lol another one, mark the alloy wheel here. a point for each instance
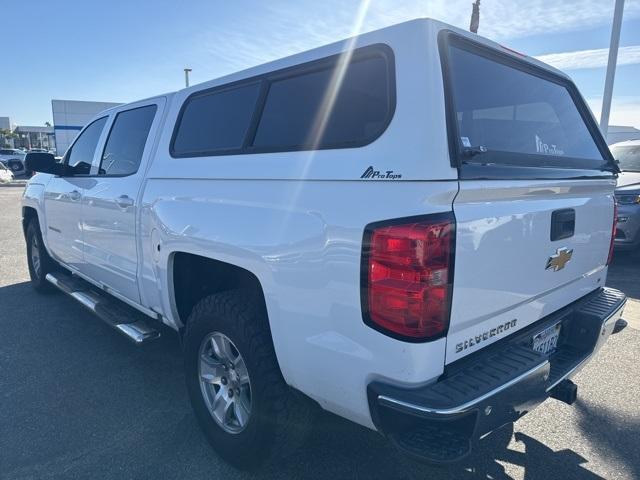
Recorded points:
(35, 255)
(224, 382)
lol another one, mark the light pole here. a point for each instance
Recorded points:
(611, 66)
(475, 17)
(186, 77)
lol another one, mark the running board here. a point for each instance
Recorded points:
(123, 318)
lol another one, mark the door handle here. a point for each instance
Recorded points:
(74, 195)
(563, 224)
(124, 201)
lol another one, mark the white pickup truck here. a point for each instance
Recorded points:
(410, 228)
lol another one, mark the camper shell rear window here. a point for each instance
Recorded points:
(508, 115)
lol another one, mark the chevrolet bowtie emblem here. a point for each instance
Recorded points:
(558, 260)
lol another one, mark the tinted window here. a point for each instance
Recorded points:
(317, 110)
(216, 121)
(513, 113)
(80, 155)
(127, 138)
(628, 157)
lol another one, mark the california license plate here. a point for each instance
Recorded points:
(546, 341)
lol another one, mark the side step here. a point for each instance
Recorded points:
(118, 315)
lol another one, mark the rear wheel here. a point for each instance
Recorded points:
(246, 410)
(38, 260)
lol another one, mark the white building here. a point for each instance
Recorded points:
(5, 123)
(69, 116)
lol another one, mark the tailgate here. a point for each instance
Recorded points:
(535, 207)
(508, 271)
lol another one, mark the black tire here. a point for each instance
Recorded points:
(15, 165)
(38, 272)
(279, 419)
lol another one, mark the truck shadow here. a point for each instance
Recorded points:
(340, 450)
(614, 434)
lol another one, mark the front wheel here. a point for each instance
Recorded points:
(38, 260)
(246, 410)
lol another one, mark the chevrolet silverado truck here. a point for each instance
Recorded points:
(410, 228)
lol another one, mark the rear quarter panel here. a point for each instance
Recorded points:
(303, 241)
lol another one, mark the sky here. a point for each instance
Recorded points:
(122, 51)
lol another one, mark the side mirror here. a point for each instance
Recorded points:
(42, 162)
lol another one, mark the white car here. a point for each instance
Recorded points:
(5, 174)
(410, 229)
(13, 159)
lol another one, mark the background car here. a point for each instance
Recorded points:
(628, 195)
(8, 153)
(5, 174)
(13, 159)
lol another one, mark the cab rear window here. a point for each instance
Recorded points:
(511, 113)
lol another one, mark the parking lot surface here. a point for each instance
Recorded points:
(79, 401)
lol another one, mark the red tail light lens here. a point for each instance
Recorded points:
(407, 276)
(613, 231)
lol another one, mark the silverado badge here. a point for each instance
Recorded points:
(558, 260)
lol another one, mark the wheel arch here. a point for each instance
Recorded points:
(193, 277)
(33, 206)
(28, 213)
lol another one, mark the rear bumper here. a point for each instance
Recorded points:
(440, 422)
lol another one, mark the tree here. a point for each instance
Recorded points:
(5, 136)
(47, 124)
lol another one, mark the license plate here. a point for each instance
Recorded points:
(546, 341)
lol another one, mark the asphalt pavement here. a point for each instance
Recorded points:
(78, 401)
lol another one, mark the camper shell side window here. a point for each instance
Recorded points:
(342, 101)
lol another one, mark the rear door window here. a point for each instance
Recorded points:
(512, 114)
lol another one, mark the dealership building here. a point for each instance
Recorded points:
(70, 116)
(34, 136)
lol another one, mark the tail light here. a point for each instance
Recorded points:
(613, 231)
(407, 276)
